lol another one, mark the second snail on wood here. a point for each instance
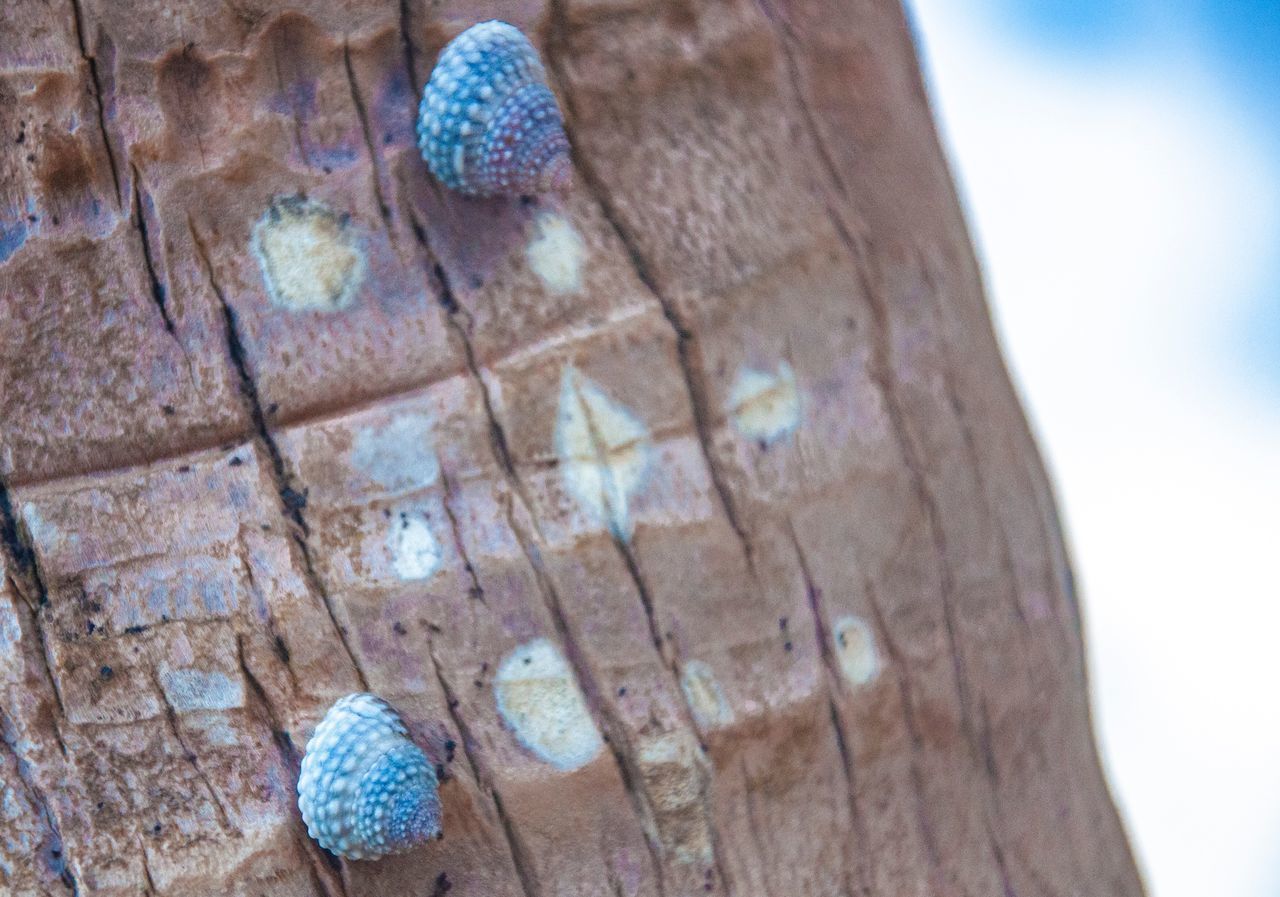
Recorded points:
(366, 790)
(488, 124)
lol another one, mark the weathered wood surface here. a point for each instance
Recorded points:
(725, 438)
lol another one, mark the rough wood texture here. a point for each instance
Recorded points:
(724, 439)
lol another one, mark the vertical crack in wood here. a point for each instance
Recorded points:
(609, 487)
(525, 869)
(190, 756)
(20, 551)
(325, 868)
(1006, 883)
(281, 648)
(521, 860)
(672, 665)
(477, 590)
(405, 25)
(159, 291)
(606, 719)
(660, 643)
(57, 847)
(980, 481)
(375, 157)
(972, 455)
(291, 500)
(147, 877)
(785, 36)
(158, 288)
(838, 724)
(294, 112)
(46, 669)
(96, 89)
(19, 554)
(753, 825)
(455, 315)
(906, 701)
(27, 579)
(280, 734)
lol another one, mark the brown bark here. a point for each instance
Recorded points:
(827, 631)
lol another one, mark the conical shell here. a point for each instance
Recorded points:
(366, 790)
(488, 124)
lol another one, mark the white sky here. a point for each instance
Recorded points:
(1126, 212)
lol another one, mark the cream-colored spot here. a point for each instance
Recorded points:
(705, 696)
(398, 455)
(674, 776)
(855, 644)
(191, 689)
(539, 698)
(765, 406)
(556, 253)
(605, 451)
(415, 551)
(310, 256)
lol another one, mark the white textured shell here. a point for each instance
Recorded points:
(366, 790)
(488, 124)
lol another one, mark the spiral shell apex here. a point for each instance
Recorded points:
(366, 790)
(488, 124)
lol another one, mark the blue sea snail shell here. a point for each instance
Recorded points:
(366, 790)
(488, 124)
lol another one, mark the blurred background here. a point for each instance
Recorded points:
(1120, 164)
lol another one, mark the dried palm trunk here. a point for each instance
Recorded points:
(691, 523)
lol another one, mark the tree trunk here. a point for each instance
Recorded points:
(720, 447)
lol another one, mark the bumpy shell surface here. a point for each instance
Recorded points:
(366, 790)
(488, 124)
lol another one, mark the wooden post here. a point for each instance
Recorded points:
(690, 521)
